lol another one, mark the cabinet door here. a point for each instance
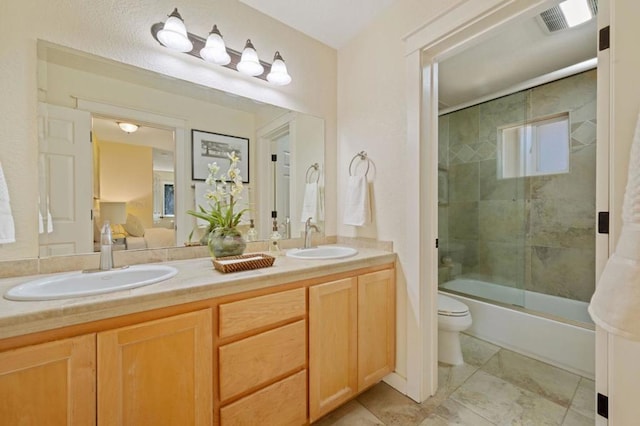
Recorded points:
(376, 327)
(157, 373)
(49, 384)
(332, 345)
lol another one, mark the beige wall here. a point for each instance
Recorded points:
(121, 31)
(126, 174)
(372, 117)
(64, 84)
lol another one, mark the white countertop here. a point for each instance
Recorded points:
(196, 280)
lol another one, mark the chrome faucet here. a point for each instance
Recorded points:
(106, 246)
(308, 226)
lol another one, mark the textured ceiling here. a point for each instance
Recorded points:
(518, 52)
(107, 130)
(333, 22)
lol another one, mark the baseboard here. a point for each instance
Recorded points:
(397, 382)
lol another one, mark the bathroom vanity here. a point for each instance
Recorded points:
(285, 344)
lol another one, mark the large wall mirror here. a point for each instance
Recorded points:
(93, 167)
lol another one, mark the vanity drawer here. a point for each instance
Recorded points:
(283, 403)
(251, 362)
(246, 315)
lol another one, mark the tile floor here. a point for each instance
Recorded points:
(495, 386)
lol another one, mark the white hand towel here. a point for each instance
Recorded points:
(49, 219)
(357, 209)
(310, 203)
(41, 219)
(320, 203)
(201, 189)
(7, 229)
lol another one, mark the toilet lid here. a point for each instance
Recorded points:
(451, 307)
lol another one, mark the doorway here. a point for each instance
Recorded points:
(426, 49)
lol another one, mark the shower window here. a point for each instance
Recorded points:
(539, 147)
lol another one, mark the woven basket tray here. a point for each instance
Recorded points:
(243, 262)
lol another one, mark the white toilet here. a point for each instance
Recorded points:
(453, 317)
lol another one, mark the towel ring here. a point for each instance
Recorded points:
(314, 167)
(363, 157)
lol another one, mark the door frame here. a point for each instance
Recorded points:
(265, 135)
(468, 21)
(183, 197)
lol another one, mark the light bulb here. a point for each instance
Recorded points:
(128, 127)
(249, 63)
(575, 12)
(174, 34)
(215, 50)
(278, 74)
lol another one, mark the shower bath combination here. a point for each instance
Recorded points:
(517, 226)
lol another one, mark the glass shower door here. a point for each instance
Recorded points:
(481, 212)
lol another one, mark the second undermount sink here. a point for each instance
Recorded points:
(76, 284)
(322, 252)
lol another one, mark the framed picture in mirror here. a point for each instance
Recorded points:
(208, 147)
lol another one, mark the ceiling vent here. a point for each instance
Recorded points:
(554, 19)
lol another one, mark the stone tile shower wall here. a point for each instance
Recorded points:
(536, 233)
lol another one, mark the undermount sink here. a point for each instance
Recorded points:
(77, 284)
(322, 252)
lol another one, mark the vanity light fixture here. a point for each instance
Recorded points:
(173, 35)
(214, 50)
(128, 127)
(278, 74)
(249, 62)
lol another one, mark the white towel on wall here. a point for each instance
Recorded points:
(7, 228)
(357, 208)
(41, 219)
(310, 203)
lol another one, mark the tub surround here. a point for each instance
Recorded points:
(196, 280)
(534, 232)
(562, 344)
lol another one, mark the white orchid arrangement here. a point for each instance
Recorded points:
(222, 198)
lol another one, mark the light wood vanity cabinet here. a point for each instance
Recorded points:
(333, 345)
(157, 372)
(275, 357)
(262, 368)
(50, 383)
(376, 327)
(351, 338)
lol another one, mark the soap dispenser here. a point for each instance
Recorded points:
(274, 240)
(106, 247)
(252, 234)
